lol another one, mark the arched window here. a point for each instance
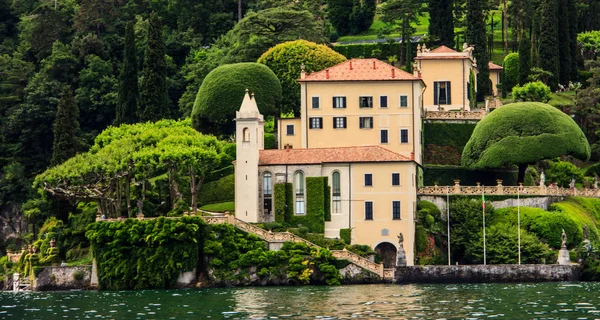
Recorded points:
(267, 193)
(299, 192)
(336, 199)
(246, 135)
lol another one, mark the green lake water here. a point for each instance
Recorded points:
(457, 301)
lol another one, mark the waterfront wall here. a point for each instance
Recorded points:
(487, 273)
(537, 202)
(63, 278)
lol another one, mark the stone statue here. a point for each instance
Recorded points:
(140, 205)
(563, 245)
(401, 256)
(572, 183)
(465, 46)
(53, 243)
(400, 239)
(595, 182)
(542, 179)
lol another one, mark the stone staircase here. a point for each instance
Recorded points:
(282, 237)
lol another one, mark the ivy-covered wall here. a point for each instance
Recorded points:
(445, 176)
(314, 219)
(283, 204)
(444, 142)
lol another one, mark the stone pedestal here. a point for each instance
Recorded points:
(563, 257)
(401, 258)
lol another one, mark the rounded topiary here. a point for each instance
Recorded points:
(222, 92)
(511, 71)
(523, 133)
(286, 59)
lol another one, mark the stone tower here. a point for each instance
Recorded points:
(249, 138)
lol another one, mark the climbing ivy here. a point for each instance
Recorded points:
(284, 198)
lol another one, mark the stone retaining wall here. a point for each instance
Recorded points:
(542, 202)
(487, 273)
(63, 278)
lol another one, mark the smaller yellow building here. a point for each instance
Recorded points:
(495, 77)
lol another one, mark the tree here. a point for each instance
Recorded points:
(532, 91)
(524, 60)
(97, 16)
(548, 50)
(65, 126)
(338, 13)
(511, 71)
(153, 96)
(521, 134)
(127, 104)
(441, 22)
(564, 42)
(476, 36)
(472, 90)
(466, 224)
(574, 49)
(403, 13)
(286, 59)
(222, 92)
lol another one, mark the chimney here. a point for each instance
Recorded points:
(287, 147)
(412, 156)
(327, 73)
(350, 64)
(393, 73)
(374, 65)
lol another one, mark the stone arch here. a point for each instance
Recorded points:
(246, 135)
(388, 252)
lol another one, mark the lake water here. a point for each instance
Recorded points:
(473, 301)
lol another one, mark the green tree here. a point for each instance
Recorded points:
(524, 60)
(466, 223)
(405, 14)
(574, 48)
(564, 42)
(549, 46)
(511, 71)
(65, 126)
(154, 104)
(521, 134)
(222, 92)
(44, 26)
(338, 13)
(562, 172)
(472, 91)
(532, 91)
(97, 16)
(286, 59)
(441, 22)
(476, 36)
(127, 104)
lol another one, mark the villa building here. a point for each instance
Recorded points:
(495, 77)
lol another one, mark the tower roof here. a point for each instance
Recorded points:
(249, 109)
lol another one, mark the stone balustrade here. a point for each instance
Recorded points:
(499, 189)
(455, 115)
(360, 261)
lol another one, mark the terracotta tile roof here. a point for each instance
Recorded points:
(443, 49)
(494, 66)
(360, 69)
(329, 155)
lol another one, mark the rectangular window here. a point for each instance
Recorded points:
(396, 210)
(365, 102)
(403, 135)
(366, 122)
(315, 102)
(403, 101)
(395, 179)
(383, 102)
(315, 123)
(368, 179)
(441, 93)
(290, 129)
(368, 210)
(384, 136)
(339, 102)
(339, 122)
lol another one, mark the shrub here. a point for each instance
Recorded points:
(222, 92)
(562, 172)
(532, 91)
(345, 234)
(286, 59)
(222, 190)
(270, 141)
(511, 71)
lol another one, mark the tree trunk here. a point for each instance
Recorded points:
(522, 169)
(193, 189)
(128, 194)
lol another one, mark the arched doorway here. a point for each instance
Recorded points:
(387, 252)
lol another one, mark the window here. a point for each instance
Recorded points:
(366, 122)
(339, 122)
(290, 129)
(403, 101)
(267, 193)
(316, 123)
(315, 102)
(299, 191)
(384, 136)
(336, 193)
(395, 179)
(403, 135)
(368, 210)
(383, 102)
(396, 210)
(246, 135)
(339, 102)
(368, 179)
(441, 92)
(365, 102)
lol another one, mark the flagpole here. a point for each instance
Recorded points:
(483, 202)
(519, 220)
(448, 219)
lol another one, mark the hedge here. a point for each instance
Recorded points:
(314, 217)
(365, 50)
(444, 142)
(327, 201)
(222, 190)
(445, 176)
(346, 235)
(270, 141)
(284, 202)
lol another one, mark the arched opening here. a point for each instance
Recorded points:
(246, 135)
(336, 191)
(267, 193)
(299, 192)
(387, 252)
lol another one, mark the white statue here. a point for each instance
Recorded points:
(542, 179)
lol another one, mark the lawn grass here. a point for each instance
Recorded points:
(219, 207)
(566, 98)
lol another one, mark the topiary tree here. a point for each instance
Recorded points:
(532, 91)
(511, 71)
(286, 59)
(222, 92)
(521, 134)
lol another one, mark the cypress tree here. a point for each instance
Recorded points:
(153, 96)
(476, 35)
(548, 50)
(564, 42)
(65, 125)
(575, 53)
(441, 21)
(368, 10)
(127, 104)
(524, 59)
